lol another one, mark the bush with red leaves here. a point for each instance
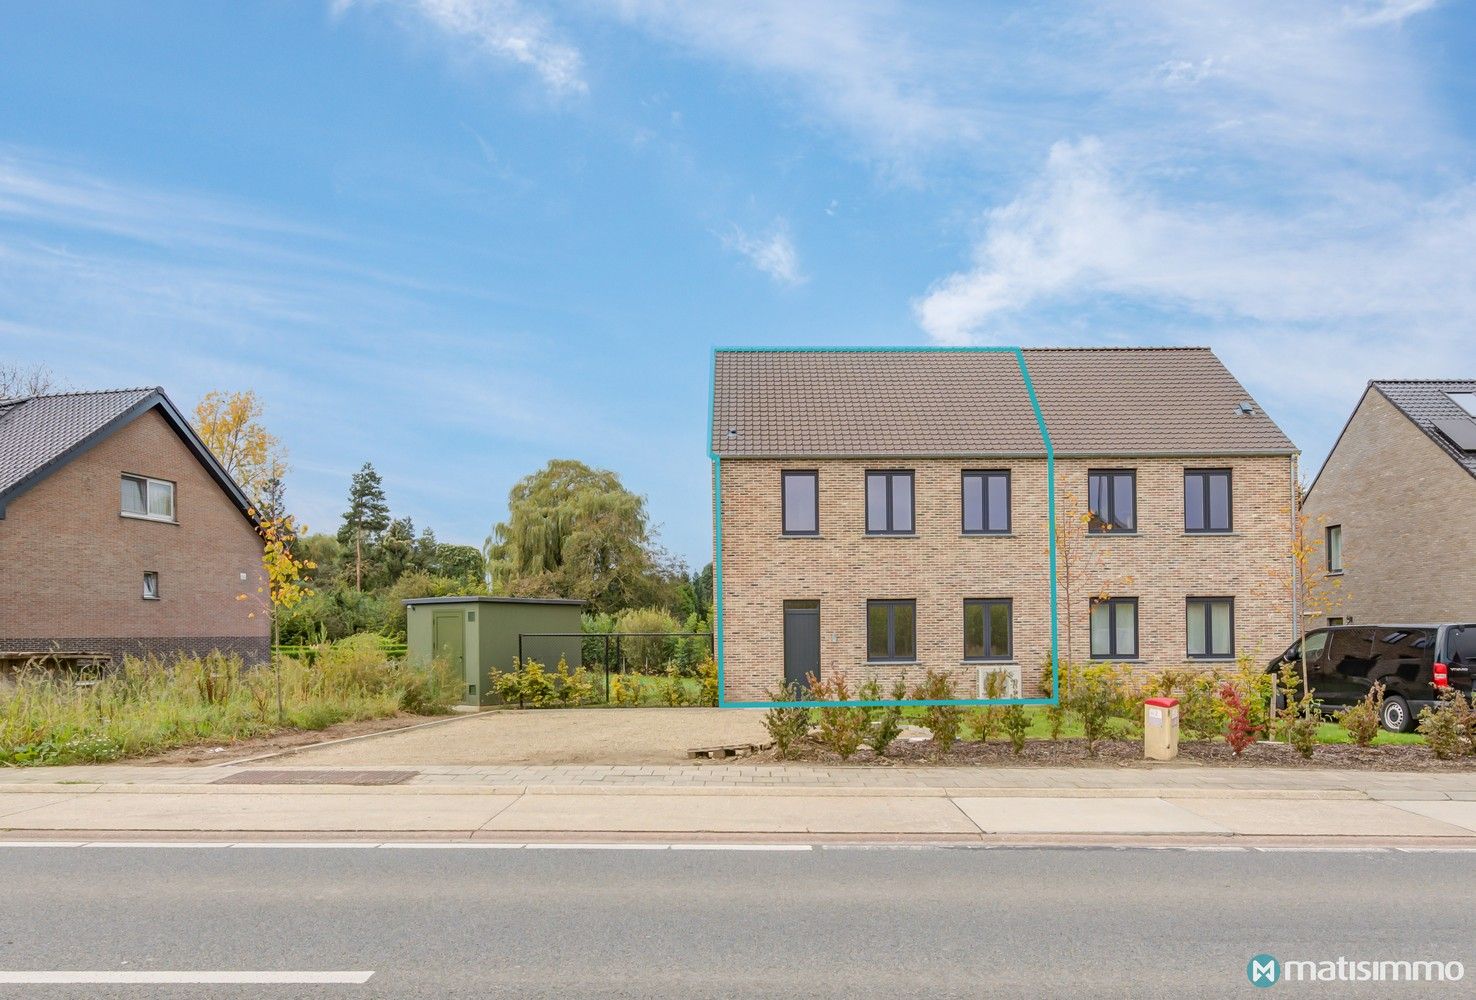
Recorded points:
(1240, 731)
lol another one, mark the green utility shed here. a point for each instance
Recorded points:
(477, 635)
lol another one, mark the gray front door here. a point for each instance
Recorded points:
(801, 641)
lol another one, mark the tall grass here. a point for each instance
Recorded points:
(150, 705)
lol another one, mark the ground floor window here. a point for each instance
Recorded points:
(987, 629)
(1114, 628)
(891, 630)
(1211, 622)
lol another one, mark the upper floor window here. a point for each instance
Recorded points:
(1211, 627)
(1206, 500)
(151, 498)
(987, 629)
(986, 503)
(1112, 498)
(1334, 546)
(889, 503)
(1114, 628)
(800, 493)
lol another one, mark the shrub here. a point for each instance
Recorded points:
(943, 721)
(1016, 724)
(625, 690)
(1201, 713)
(885, 721)
(571, 688)
(1446, 727)
(1362, 720)
(1055, 714)
(648, 654)
(787, 724)
(673, 691)
(708, 673)
(986, 718)
(1240, 726)
(527, 683)
(1098, 692)
(842, 727)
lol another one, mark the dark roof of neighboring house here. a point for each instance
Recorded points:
(40, 434)
(1427, 404)
(874, 402)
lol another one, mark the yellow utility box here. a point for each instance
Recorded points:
(1161, 728)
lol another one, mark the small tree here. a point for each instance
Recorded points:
(282, 582)
(943, 721)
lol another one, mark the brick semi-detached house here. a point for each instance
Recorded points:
(120, 533)
(882, 513)
(1395, 506)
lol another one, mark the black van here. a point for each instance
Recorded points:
(1413, 661)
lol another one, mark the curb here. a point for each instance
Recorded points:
(289, 751)
(739, 791)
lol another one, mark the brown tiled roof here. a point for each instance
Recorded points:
(1099, 401)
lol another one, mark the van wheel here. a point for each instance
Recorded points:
(1395, 715)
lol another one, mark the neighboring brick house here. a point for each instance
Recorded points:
(883, 512)
(120, 533)
(1395, 505)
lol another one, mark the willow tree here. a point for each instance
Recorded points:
(577, 532)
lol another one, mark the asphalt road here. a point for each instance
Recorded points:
(832, 922)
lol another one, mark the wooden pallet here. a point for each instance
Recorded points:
(729, 750)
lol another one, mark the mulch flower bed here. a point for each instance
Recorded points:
(1125, 753)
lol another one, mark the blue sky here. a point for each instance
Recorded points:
(460, 237)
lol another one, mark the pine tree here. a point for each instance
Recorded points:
(366, 518)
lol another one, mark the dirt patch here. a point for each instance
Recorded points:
(1127, 753)
(215, 751)
(555, 736)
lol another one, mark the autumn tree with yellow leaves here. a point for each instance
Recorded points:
(283, 583)
(230, 425)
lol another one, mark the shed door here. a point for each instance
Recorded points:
(801, 641)
(448, 640)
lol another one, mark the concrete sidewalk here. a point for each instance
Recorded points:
(1199, 805)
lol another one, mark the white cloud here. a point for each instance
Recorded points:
(503, 30)
(858, 65)
(772, 252)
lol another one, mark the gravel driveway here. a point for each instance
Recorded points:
(552, 736)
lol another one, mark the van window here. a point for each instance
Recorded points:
(1463, 643)
(1315, 644)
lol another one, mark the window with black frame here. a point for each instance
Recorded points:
(1210, 623)
(891, 630)
(1112, 500)
(987, 628)
(799, 493)
(1114, 628)
(889, 502)
(1207, 501)
(986, 502)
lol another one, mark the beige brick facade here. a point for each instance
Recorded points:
(940, 567)
(74, 565)
(1408, 516)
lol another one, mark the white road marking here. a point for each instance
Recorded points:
(430, 845)
(1323, 850)
(599, 847)
(106, 976)
(742, 847)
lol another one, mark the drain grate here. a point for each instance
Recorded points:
(316, 778)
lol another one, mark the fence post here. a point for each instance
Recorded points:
(607, 668)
